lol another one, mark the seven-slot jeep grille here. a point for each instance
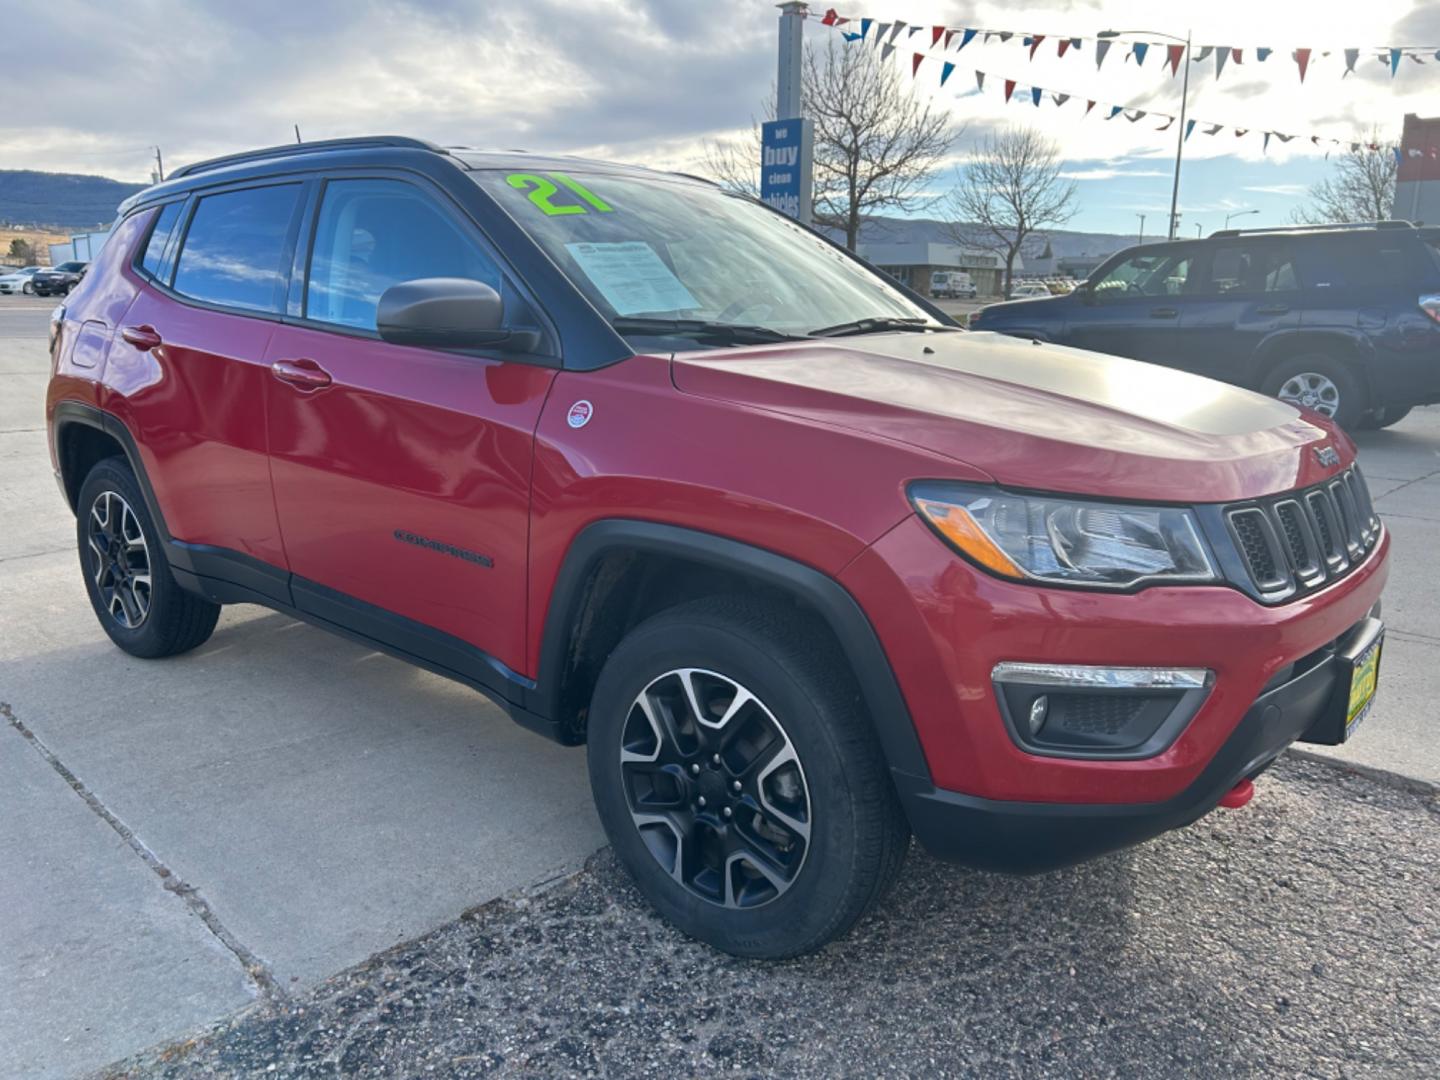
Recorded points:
(1304, 539)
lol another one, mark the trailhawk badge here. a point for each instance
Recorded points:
(1326, 455)
(580, 414)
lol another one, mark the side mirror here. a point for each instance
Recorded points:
(447, 313)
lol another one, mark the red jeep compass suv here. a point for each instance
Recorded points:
(806, 567)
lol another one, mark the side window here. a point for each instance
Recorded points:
(1145, 274)
(1247, 269)
(234, 251)
(159, 236)
(372, 234)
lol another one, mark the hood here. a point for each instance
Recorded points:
(1032, 415)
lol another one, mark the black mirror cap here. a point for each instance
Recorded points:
(445, 313)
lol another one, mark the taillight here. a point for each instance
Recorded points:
(1431, 306)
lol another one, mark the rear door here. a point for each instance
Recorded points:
(1245, 291)
(402, 474)
(188, 370)
(1134, 308)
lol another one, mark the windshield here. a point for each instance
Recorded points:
(661, 250)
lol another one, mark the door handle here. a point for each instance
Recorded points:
(305, 374)
(1273, 309)
(1163, 313)
(143, 337)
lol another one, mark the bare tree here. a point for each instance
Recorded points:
(1009, 190)
(878, 143)
(1361, 187)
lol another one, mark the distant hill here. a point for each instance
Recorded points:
(67, 200)
(1064, 243)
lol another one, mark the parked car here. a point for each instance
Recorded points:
(1338, 319)
(952, 285)
(17, 280)
(58, 280)
(1028, 290)
(805, 566)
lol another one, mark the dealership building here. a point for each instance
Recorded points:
(1417, 182)
(914, 264)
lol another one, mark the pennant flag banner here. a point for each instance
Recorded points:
(944, 38)
(1037, 95)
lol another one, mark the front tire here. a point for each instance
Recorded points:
(739, 780)
(135, 596)
(28, 289)
(1319, 382)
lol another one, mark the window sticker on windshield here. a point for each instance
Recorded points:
(541, 191)
(632, 277)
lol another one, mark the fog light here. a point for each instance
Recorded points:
(1038, 708)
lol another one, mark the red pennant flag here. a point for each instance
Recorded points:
(948, 35)
(1235, 55)
(1009, 88)
(935, 33)
(1176, 52)
(1064, 46)
(1088, 106)
(915, 64)
(1302, 57)
(1035, 44)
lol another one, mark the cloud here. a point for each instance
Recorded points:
(1291, 190)
(1110, 173)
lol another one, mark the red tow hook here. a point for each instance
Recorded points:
(1238, 795)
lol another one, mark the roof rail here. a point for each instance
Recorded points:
(292, 149)
(1339, 226)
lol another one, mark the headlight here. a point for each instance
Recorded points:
(1066, 541)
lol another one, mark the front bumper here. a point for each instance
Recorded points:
(1032, 837)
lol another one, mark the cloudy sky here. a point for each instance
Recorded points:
(93, 85)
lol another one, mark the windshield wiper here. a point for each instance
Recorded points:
(880, 325)
(733, 333)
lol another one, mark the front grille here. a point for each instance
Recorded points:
(1301, 540)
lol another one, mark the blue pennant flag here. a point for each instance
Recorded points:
(1139, 49)
(1035, 93)
(865, 27)
(1263, 54)
(1395, 55)
(967, 37)
(1189, 127)
(1115, 111)
(945, 72)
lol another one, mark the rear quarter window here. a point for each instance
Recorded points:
(150, 261)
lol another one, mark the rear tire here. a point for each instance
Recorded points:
(28, 289)
(134, 594)
(825, 822)
(1319, 382)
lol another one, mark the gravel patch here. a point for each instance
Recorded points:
(1299, 936)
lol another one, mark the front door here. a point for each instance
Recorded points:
(1134, 309)
(401, 474)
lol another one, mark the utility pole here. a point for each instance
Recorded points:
(297, 133)
(1141, 238)
(1180, 140)
(159, 166)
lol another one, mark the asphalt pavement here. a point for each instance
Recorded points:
(238, 832)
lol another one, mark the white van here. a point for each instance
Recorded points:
(951, 284)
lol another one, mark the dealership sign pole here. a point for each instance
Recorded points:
(787, 142)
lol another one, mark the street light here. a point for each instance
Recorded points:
(1238, 213)
(1197, 230)
(1184, 101)
(1141, 238)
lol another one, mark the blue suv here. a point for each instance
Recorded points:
(1342, 319)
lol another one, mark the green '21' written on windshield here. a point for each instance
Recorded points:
(541, 191)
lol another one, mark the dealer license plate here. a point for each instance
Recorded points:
(1363, 679)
